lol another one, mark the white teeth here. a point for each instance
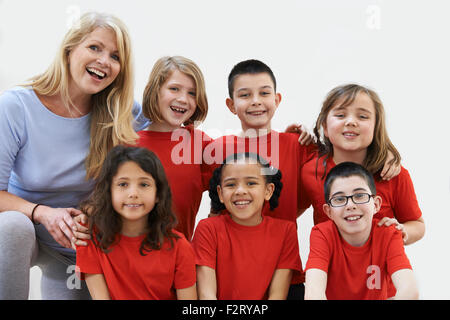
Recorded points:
(178, 109)
(97, 72)
(353, 218)
(256, 113)
(240, 203)
(133, 205)
(350, 134)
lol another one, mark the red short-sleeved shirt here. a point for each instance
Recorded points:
(131, 276)
(245, 258)
(284, 152)
(357, 273)
(398, 196)
(182, 161)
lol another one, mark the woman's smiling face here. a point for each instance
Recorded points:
(94, 63)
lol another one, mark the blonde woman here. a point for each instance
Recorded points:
(56, 131)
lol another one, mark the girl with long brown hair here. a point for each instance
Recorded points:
(134, 252)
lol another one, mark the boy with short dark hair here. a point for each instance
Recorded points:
(349, 257)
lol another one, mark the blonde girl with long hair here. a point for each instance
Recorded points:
(175, 100)
(56, 131)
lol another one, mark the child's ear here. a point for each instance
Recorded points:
(230, 104)
(270, 187)
(219, 192)
(377, 202)
(327, 210)
(277, 99)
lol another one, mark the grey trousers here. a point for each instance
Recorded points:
(20, 250)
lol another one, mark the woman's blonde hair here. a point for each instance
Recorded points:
(377, 151)
(111, 112)
(161, 71)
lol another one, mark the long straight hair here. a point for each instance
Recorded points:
(377, 151)
(111, 112)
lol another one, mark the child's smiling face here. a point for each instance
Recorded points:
(254, 100)
(351, 128)
(354, 221)
(133, 194)
(243, 190)
(177, 100)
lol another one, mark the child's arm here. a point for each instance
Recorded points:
(405, 283)
(279, 286)
(412, 231)
(187, 293)
(315, 284)
(97, 287)
(206, 283)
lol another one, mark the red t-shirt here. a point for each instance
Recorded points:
(284, 152)
(399, 199)
(182, 161)
(245, 258)
(357, 273)
(131, 276)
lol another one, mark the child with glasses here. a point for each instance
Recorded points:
(349, 257)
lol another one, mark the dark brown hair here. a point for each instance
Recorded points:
(105, 223)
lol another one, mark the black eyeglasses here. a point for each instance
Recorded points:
(357, 198)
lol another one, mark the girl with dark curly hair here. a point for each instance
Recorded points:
(134, 252)
(242, 254)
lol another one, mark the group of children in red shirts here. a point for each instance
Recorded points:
(142, 212)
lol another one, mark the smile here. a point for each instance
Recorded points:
(132, 205)
(241, 203)
(256, 113)
(178, 109)
(96, 73)
(353, 218)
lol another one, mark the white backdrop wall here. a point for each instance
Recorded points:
(399, 48)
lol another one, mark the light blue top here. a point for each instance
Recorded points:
(42, 154)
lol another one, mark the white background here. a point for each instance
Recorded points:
(399, 48)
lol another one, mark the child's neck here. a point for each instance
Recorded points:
(252, 222)
(255, 132)
(133, 229)
(357, 240)
(161, 127)
(340, 156)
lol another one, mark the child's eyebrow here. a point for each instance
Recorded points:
(360, 189)
(354, 190)
(342, 107)
(263, 87)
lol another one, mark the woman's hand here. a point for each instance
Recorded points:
(58, 222)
